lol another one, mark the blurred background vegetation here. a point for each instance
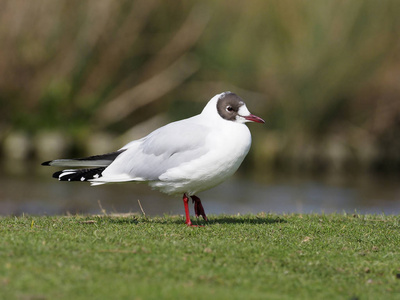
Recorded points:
(325, 75)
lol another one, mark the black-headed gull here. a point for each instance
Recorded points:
(183, 157)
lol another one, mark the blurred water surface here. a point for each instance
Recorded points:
(43, 195)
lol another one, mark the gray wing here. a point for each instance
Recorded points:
(163, 149)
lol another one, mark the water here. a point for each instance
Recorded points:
(42, 195)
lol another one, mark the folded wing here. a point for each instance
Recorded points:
(165, 148)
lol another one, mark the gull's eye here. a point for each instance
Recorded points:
(229, 108)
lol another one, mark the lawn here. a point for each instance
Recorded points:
(264, 256)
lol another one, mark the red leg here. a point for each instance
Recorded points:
(198, 207)
(185, 203)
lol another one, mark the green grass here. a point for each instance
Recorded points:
(263, 256)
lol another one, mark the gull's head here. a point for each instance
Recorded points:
(232, 108)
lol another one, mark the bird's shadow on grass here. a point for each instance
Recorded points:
(244, 220)
(214, 220)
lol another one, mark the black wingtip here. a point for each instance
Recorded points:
(46, 163)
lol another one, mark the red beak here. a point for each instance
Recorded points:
(254, 118)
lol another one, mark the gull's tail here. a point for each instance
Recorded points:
(98, 162)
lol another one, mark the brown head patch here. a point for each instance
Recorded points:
(228, 105)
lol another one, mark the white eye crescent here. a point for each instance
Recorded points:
(229, 108)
